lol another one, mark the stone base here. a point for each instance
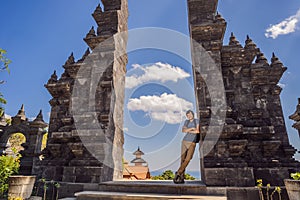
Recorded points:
(274, 176)
(151, 188)
(161, 187)
(238, 177)
(69, 189)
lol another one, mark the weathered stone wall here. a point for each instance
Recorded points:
(253, 143)
(85, 132)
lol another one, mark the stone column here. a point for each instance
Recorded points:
(85, 132)
(32, 147)
(253, 143)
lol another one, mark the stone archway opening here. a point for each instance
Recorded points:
(156, 129)
(158, 57)
(14, 143)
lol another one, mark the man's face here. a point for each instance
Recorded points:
(190, 116)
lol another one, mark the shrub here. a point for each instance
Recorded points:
(295, 176)
(9, 165)
(268, 187)
(169, 175)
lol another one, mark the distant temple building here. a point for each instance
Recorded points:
(138, 168)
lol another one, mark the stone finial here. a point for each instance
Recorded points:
(98, 9)
(53, 78)
(39, 117)
(138, 152)
(91, 33)
(219, 17)
(233, 40)
(249, 43)
(22, 108)
(85, 55)
(275, 61)
(39, 121)
(21, 113)
(261, 58)
(71, 60)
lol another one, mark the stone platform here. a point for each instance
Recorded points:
(154, 189)
(139, 196)
(161, 187)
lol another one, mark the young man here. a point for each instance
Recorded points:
(191, 128)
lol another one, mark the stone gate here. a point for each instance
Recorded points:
(253, 144)
(32, 130)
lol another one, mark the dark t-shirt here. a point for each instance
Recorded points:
(191, 137)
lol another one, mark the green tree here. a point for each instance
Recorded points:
(2, 102)
(16, 140)
(169, 175)
(189, 177)
(4, 63)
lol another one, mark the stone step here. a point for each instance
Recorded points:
(68, 198)
(161, 187)
(87, 195)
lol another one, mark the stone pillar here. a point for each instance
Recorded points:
(85, 142)
(253, 143)
(32, 146)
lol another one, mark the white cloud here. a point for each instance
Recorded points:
(167, 107)
(281, 85)
(162, 72)
(7, 116)
(287, 26)
(31, 118)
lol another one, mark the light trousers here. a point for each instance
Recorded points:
(187, 152)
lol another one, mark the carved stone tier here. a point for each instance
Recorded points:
(296, 117)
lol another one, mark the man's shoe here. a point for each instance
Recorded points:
(176, 179)
(181, 178)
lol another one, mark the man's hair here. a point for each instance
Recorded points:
(189, 111)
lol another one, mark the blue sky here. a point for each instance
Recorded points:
(40, 35)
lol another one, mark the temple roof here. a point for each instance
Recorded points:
(138, 160)
(138, 152)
